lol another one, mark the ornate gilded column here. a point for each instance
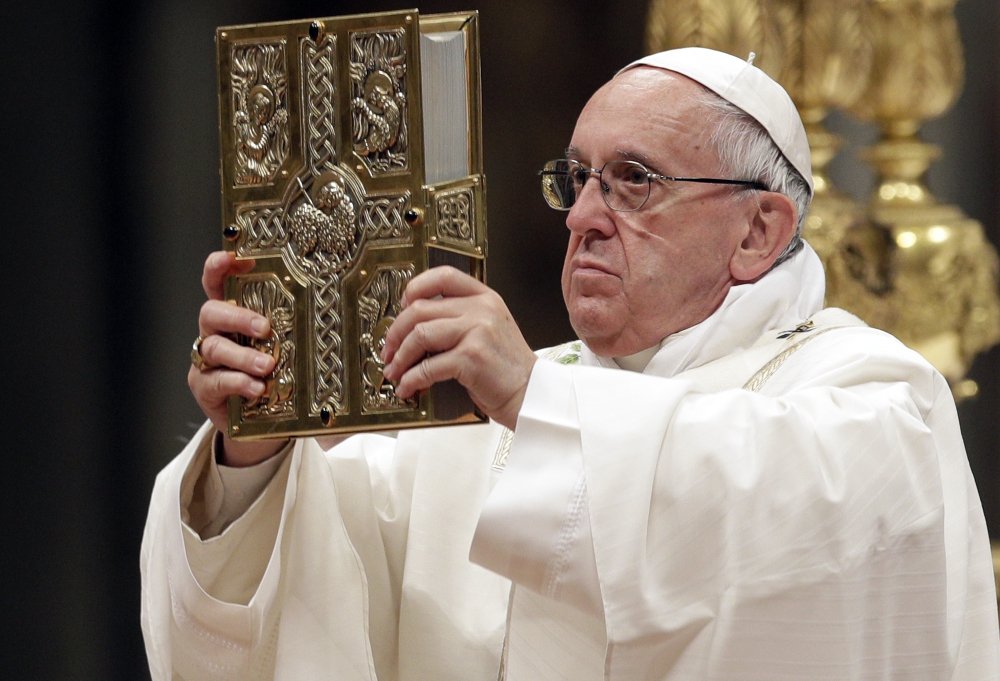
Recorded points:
(942, 297)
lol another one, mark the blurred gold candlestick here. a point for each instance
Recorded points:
(941, 293)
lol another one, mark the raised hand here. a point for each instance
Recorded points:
(454, 326)
(227, 368)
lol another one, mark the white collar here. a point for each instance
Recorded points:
(788, 294)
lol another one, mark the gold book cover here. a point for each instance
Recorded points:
(351, 160)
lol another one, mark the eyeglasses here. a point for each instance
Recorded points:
(625, 185)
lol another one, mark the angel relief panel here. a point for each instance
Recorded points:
(260, 110)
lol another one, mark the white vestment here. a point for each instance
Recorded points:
(769, 499)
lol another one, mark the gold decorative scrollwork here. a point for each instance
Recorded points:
(260, 111)
(267, 297)
(735, 26)
(263, 229)
(455, 217)
(382, 218)
(378, 305)
(323, 242)
(322, 190)
(328, 360)
(318, 98)
(379, 100)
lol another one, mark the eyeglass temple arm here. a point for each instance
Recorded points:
(715, 180)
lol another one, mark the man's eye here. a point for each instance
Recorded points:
(579, 175)
(635, 176)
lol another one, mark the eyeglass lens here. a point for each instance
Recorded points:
(624, 184)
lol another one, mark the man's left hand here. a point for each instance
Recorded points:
(454, 326)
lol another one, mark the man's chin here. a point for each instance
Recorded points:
(596, 325)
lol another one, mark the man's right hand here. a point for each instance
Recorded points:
(230, 368)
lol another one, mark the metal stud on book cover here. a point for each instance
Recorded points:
(351, 160)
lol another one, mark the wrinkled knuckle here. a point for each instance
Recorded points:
(218, 386)
(206, 311)
(210, 347)
(418, 307)
(233, 316)
(474, 355)
(425, 371)
(421, 334)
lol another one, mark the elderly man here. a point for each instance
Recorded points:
(719, 480)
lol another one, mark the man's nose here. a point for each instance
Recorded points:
(590, 212)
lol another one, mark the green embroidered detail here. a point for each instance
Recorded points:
(568, 353)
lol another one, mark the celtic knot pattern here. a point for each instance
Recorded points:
(318, 94)
(382, 218)
(329, 361)
(323, 193)
(262, 229)
(455, 215)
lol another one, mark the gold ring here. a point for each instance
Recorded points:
(196, 357)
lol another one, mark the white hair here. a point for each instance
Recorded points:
(747, 152)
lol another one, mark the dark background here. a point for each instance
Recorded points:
(111, 193)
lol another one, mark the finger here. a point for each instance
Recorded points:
(213, 388)
(445, 281)
(219, 317)
(420, 311)
(426, 338)
(430, 370)
(219, 351)
(218, 266)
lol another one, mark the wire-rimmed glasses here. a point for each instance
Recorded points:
(625, 185)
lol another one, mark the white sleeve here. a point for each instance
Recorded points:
(282, 585)
(670, 510)
(221, 494)
(535, 527)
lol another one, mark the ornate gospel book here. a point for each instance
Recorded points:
(351, 160)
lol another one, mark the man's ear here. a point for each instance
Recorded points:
(771, 227)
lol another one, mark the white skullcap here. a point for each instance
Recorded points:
(747, 87)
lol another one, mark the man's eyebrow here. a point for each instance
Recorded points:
(636, 156)
(639, 157)
(624, 154)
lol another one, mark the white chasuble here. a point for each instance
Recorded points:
(782, 493)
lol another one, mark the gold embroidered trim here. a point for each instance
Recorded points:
(757, 381)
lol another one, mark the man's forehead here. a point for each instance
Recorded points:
(658, 120)
(652, 99)
(650, 92)
(647, 81)
(744, 86)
